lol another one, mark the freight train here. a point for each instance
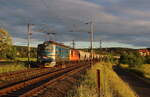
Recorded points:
(50, 53)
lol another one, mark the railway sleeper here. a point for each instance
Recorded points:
(41, 87)
(54, 89)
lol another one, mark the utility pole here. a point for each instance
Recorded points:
(73, 44)
(29, 39)
(91, 38)
(100, 44)
(91, 35)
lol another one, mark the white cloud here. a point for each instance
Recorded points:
(113, 23)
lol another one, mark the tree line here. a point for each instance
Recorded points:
(22, 51)
(127, 55)
(134, 59)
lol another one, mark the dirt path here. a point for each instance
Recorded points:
(139, 86)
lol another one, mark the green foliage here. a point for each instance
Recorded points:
(22, 51)
(11, 53)
(114, 51)
(111, 58)
(12, 67)
(7, 51)
(26, 59)
(5, 39)
(147, 59)
(132, 59)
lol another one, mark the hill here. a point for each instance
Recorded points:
(113, 51)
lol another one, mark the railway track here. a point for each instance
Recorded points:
(33, 85)
(12, 77)
(9, 76)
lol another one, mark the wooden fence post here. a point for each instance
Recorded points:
(98, 82)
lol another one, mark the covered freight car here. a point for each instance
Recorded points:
(84, 55)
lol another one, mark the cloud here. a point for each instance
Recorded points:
(121, 21)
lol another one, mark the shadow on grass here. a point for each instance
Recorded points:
(32, 64)
(118, 68)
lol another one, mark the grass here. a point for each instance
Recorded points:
(19, 59)
(12, 67)
(143, 69)
(26, 59)
(111, 84)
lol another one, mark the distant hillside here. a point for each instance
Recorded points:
(22, 51)
(113, 51)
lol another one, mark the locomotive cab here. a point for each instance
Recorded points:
(46, 55)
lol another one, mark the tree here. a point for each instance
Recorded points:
(12, 53)
(5, 37)
(132, 59)
(6, 49)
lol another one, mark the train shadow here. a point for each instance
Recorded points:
(31, 64)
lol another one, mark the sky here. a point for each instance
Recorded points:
(118, 23)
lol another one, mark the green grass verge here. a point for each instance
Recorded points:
(111, 84)
(142, 70)
(12, 67)
(26, 59)
(145, 69)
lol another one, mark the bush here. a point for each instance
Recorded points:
(11, 54)
(147, 59)
(132, 59)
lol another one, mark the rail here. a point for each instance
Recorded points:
(41, 80)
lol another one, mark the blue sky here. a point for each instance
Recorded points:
(118, 23)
